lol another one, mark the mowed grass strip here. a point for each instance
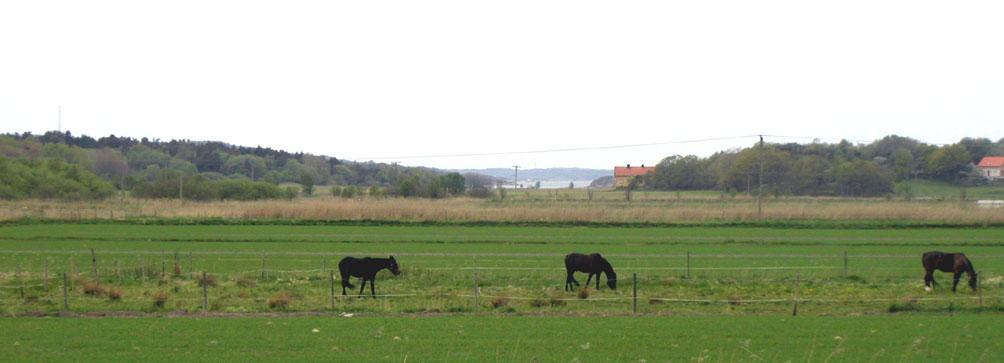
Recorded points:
(972, 338)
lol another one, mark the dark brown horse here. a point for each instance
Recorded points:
(956, 263)
(366, 269)
(593, 264)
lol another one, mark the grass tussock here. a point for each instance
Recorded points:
(583, 293)
(280, 301)
(208, 280)
(115, 293)
(500, 302)
(159, 298)
(92, 288)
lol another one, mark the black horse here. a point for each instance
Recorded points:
(365, 268)
(956, 263)
(593, 264)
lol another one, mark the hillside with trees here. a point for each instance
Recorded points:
(840, 169)
(63, 166)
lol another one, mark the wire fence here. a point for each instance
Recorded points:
(67, 291)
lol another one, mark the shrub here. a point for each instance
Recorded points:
(538, 303)
(94, 289)
(583, 293)
(159, 298)
(114, 294)
(246, 281)
(500, 301)
(207, 281)
(280, 301)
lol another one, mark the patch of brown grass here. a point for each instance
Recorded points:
(94, 288)
(280, 301)
(583, 293)
(160, 298)
(500, 302)
(207, 281)
(114, 293)
(606, 209)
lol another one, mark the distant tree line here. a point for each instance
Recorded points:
(842, 169)
(204, 170)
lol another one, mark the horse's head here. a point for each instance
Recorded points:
(393, 266)
(972, 281)
(612, 280)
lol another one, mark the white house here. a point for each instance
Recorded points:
(992, 167)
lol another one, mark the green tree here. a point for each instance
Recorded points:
(861, 178)
(948, 163)
(453, 183)
(307, 181)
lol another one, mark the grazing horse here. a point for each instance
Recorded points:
(593, 264)
(956, 263)
(366, 269)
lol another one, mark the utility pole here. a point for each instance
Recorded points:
(515, 176)
(759, 194)
(181, 187)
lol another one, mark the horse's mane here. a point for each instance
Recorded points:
(607, 268)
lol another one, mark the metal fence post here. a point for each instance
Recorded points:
(979, 287)
(634, 283)
(477, 292)
(66, 301)
(45, 275)
(794, 311)
(845, 263)
(331, 278)
(205, 292)
(94, 265)
(688, 264)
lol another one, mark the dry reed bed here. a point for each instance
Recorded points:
(476, 210)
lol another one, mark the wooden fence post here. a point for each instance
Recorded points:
(66, 301)
(634, 283)
(205, 292)
(331, 279)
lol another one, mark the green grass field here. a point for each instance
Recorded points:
(733, 301)
(963, 338)
(732, 270)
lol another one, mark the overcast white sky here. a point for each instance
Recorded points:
(358, 79)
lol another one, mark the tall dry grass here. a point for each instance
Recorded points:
(475, 210)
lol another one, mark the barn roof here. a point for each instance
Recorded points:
(632, 170)
(992, 162)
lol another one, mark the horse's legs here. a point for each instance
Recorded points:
(373, 288)
(362, 288)
(929, 279)
(568, 280)
(591, 279)
(955, 280)
(597, 280)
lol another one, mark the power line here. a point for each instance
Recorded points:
(542, 151)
